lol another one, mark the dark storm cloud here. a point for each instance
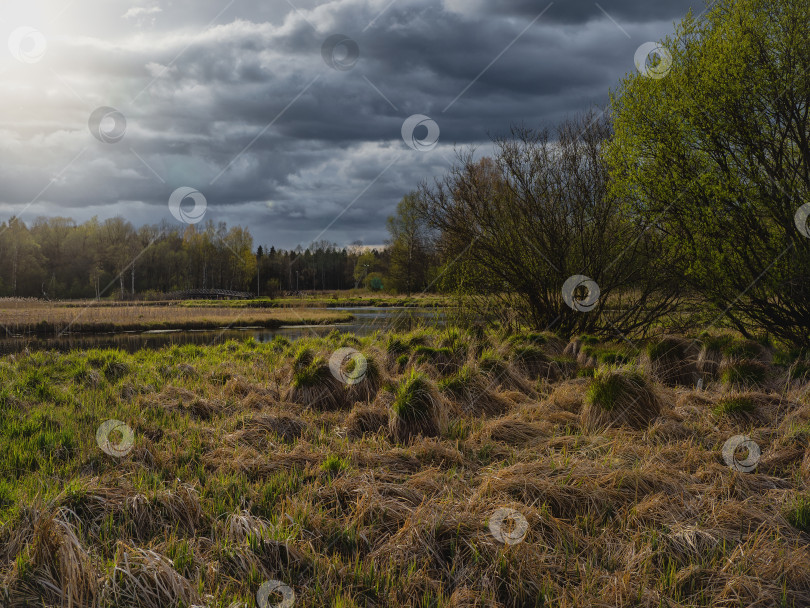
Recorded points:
(237, 101)
(582, 11)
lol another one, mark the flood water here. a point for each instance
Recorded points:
(367, 320)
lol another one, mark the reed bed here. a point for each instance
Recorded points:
(43, 318)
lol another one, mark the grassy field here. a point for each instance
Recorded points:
(317, 299)
(335, 299)
(37, 317)
(435, 468)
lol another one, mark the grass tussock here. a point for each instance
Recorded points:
(143, 577)
(260, 431)
(365, 387)
(365, 420)
(59, 561)
(473, 391)
(672, 360)
(416, 410)
(620, 397)
(533, 361)
(744, 373)
(722, 349)
(313, 383)
(501, 372)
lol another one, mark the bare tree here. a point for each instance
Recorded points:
(519, 226)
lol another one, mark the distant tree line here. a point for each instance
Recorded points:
(58, 258)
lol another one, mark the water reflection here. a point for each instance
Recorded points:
(367, 320)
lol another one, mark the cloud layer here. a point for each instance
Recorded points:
(239, 101)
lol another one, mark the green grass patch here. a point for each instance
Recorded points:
(334, 464)
(742, 349)
(459, 382)
(798, 513)
(733, 405)
(276, 488)
(431, 354)
(716, 342)
(670, 348)
(732, 346)
(457, 430)
(744, 372)
(491, 361)
(613, 358)
(536, 338)
(530, 354)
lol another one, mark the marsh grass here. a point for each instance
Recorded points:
(313, 383)
(620, 397)
(734, 405)
(365, 419)
(798, 513)
(743, 373)
(533, 362)
(723, 350)
(672, 360)
(44, 318)
(473, 391)
(416, 410)
(238, 476)
(501, 372)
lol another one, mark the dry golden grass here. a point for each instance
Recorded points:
(45, 318)
(392, 497)
(673, 360)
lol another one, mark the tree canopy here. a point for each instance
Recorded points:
(57, 258)
(716, 155)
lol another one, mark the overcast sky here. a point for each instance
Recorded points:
(287, 116)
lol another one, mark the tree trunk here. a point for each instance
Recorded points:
(14, 274)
